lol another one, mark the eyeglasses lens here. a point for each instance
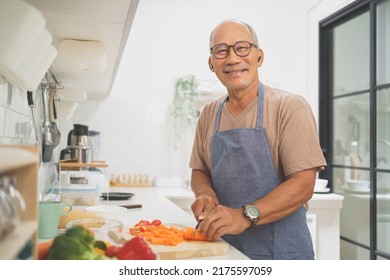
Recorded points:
(241, 49)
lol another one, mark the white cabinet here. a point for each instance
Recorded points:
(21, 162)
(326, 208)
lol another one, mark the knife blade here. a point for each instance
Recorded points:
(196, 227)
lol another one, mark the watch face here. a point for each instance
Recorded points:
(252, 211)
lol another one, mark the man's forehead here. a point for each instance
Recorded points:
(236, 30)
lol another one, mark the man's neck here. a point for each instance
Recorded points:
(239, 100)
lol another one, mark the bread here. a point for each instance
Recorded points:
(75, 215)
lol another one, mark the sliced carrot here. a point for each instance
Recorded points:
(43, 248)
(159, 235)
(194, 234)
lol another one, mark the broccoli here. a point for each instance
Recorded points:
(76, 243)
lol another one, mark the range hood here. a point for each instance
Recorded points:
(103, 21)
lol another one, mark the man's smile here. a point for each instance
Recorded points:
(234, 71)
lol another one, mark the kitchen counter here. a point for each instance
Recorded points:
(157, 205)
(173, 205)
(323, 218)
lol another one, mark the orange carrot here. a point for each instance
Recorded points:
(159, 235)
(190, 234)
(43, 248)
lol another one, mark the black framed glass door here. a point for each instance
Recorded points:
(354, 123)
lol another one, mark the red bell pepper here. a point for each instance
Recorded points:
(134, 249)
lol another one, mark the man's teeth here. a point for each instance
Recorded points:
(230, 71)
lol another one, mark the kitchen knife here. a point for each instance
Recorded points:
(132, 206)
(196, 227)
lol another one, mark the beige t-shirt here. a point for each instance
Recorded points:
(290, 127)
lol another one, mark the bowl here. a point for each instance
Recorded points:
(320, 184)
(100, 226)
(106, 211)
(358, 185)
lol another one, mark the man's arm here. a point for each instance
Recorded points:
(206, 199)
(287, 197)
(279, 203)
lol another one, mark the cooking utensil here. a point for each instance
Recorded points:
(116, 195)
(53, 118)
(100, 226)
(31, 104)
(132, 206)
(196, 227)
(48, 137)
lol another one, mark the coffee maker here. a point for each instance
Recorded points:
(79, 145)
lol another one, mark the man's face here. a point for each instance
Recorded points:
(235, 72)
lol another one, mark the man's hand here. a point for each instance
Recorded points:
(206, 198)
(204, 203)
(223, 220)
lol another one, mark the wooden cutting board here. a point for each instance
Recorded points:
(183, 250)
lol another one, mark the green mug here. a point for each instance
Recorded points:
(49, 214)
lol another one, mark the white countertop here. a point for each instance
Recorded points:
(318, 200)
(163, 203)
(157, 205)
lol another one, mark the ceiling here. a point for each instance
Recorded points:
(98, 20)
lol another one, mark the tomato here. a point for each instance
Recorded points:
(156, 223)
(143, 223)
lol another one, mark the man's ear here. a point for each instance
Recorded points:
(211, 66)
(260, 57)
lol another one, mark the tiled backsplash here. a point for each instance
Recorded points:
(16, 126)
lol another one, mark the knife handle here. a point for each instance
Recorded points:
(30, 98)
(132, 206)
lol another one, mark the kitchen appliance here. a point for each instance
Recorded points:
(79, 145)
(95, 140)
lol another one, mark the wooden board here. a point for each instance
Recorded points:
(184, 250)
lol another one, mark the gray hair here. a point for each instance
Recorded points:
(256, 42)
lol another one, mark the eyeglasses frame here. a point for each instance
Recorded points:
(232, 46)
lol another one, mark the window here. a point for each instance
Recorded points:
(354, 123)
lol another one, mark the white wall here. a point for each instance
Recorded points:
(319, 10)
(169, 39)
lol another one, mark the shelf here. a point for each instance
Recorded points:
(22, 162)
(78, 166)
(14, 242)
(15, 158)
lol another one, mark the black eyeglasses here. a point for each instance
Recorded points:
(240, 48)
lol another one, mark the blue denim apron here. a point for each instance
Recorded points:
(242, 172)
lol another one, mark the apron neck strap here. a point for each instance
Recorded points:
(260, 107)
